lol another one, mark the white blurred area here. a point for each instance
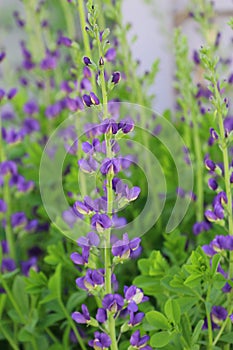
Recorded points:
(153, 22)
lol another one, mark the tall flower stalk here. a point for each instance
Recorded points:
(220, 105)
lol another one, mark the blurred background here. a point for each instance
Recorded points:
(152, 26)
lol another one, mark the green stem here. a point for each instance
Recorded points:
(82, 16)
(52, 336)
(12, 300)
(199, 168)
(107, 250)
(72, 325)
(209, 323)
(221, 330)
(9, 338)
(226, 163)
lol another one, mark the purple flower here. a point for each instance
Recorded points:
(196, 57)
(213, 134)
(108, 126)
(116, 76)
(92, 239)
(18, 220)
(134, 296)
(213, 185)
(49, 62)
(210, 165)
(89, 165)
(218, 314)
(5, 247)
(8, 265)
(29, 264)
(101, 342)
(83, 317)
(87, 100)
(2, 56)
(70, 217)
(81, 208)
(110, 54)
(31, 107)
(125, 248)
(92, 279)
(2, 94)
(81, 259)
(101, 222)
(112, 166)
(53, 110)
(91, 148)
(94, 99)
(136, 318)
(3, 206)
(101, 315)
(63, 40)
(30, 125)
(199, 227)
(139, 342)
(85, 84)
(113, 302)
(87, 72)
(87, 61)
(222, 243)
(11, 94)
(126, 125)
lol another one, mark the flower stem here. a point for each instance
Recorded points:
(85, 36)
(8, 338)
(72, 325)
(199, 169)
(226, 164)
(209, 323)
(107, 250)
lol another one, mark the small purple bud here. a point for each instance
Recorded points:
(210, 165)
(110, 55)
(2, 94)
(81, 208)
(11, 94)
(94, 99)
(101, 61)
(2, 56)
(231, 178)
(116, 76)
(65, 41)
(87, 100)
(213, 134)
(213, 185)
(87, 61)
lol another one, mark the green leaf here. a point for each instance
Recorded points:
(150, 285)
(20, 295)
(55, 282)
(160, 339)
(193, 280)
(36, 282)
(157, 320)
(215, 261)
(53, 318)
(227, 338)
(197, 331)
(75, 300)
(172, 311)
